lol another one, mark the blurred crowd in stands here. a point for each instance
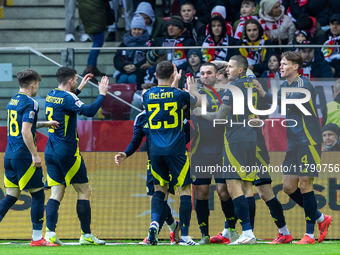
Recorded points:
(209, 23)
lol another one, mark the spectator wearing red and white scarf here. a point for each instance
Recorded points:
(332, 54)
(219, 10)
(278, 27)
(249, 10)
(273, 72)
(258, 56)
(217, 37)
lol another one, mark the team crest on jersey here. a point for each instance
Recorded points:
(32, 114)
(79, 103)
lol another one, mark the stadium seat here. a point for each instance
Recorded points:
(115, 109)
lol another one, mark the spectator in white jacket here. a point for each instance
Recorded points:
(278, 27)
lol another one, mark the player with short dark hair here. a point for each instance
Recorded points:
(169, 159)
(239, 147)
(304, 146)
(206, 149)
(141, 129)
(65, 165)
(22, 163)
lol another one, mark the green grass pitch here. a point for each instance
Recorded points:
(327, 247)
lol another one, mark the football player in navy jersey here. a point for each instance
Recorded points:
(304, 146)
(206, 151)
(141, 129)
(239, 150)
(64, 163)
(169, 160)
(22, 163)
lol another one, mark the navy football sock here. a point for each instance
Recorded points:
(37, 209)
(203, 212)
(84, 215)
(229, 213)
(185, 214)
(310, 207)
(297, 197)
(163, 216)
(157, 204)
(169, 219)
(52, 208)
(252, 208)
(276, 212)
(6, 204)
(242, 212)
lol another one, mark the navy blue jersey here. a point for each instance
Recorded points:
(308, 129)
(164, 110)
(140, 129)
(63, 106)
(21, 108)
(208, 139)
(237, 128)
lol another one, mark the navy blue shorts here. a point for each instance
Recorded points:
(204, 167)
(171, 170)
(239, 160)
(150, 188)
(20, 173)
(65, 170)
(302, 160)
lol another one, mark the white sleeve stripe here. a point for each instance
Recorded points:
(143, 112)
(36, 105)
(73, 95)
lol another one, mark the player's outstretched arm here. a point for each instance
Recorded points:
(220, 63)
(222, 113)
(84, 81)
(29, 141)
(120, 157)
(49, 124)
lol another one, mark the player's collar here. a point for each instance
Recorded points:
(163, 86)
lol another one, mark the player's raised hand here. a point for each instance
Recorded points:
(177, 77)
(120, 157)
(259, 88)
(84, 81)
(52, 124)
(192, 84)
(36, 161)
(103, 85)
